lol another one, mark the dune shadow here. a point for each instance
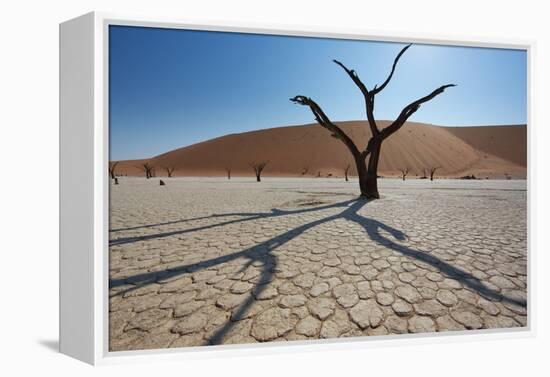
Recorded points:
(262, 255)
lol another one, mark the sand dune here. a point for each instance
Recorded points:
(488, 151)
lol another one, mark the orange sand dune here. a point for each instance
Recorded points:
(487, 151)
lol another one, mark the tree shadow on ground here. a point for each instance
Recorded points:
(249, 217)
(263, 254)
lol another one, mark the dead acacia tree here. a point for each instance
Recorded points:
(305, 170)
(228, 171)
(368, 173)
(346, 170)
(112, 170)
(258, 168)
(147, 169)
(404, 173)
(170, 171)
(432, 172)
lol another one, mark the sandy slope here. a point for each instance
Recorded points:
(483, 151)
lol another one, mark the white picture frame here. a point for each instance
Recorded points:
(84, 192)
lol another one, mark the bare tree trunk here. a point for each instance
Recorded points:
(148, 169)
(112, 170)
(361, 166)
(371, 188)
(404, 173)
(258, 168)
(368, 175)
(432, 173)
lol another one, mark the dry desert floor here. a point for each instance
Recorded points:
(205, 261)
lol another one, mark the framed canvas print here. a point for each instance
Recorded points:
(232, 189)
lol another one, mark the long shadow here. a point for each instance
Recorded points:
(263, 253)
(253, 253)
(159, 224)
(372, 227)
(249, 217)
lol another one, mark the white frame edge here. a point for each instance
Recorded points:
(84, 213)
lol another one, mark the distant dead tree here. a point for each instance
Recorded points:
(258, 168)
(368, 174)
(228, 171)
(169, 171)
(346, 170)
(305, 170)
(147, 169)
(116, 181)
(112, 170)
(432, 172)
(404, 173)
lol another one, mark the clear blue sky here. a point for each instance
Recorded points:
(172, 88)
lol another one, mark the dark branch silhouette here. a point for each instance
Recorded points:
(170, 171)
(112, 169)
(368, 173)
(404, 173)
(346, 170)
(432, 172)
(228, 171)
(258, 169)
(147, 169)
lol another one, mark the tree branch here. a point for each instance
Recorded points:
(325, 122)
(410, 109)
(369, 97)
(377, 90)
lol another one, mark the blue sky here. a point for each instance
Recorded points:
(171, 88)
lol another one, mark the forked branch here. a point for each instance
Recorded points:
(369, 97)
(325, 122)
(404, 172)
(377, 90)
(258, 168)
(410, 109)
(170, 171)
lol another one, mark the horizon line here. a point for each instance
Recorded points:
(314, 123)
